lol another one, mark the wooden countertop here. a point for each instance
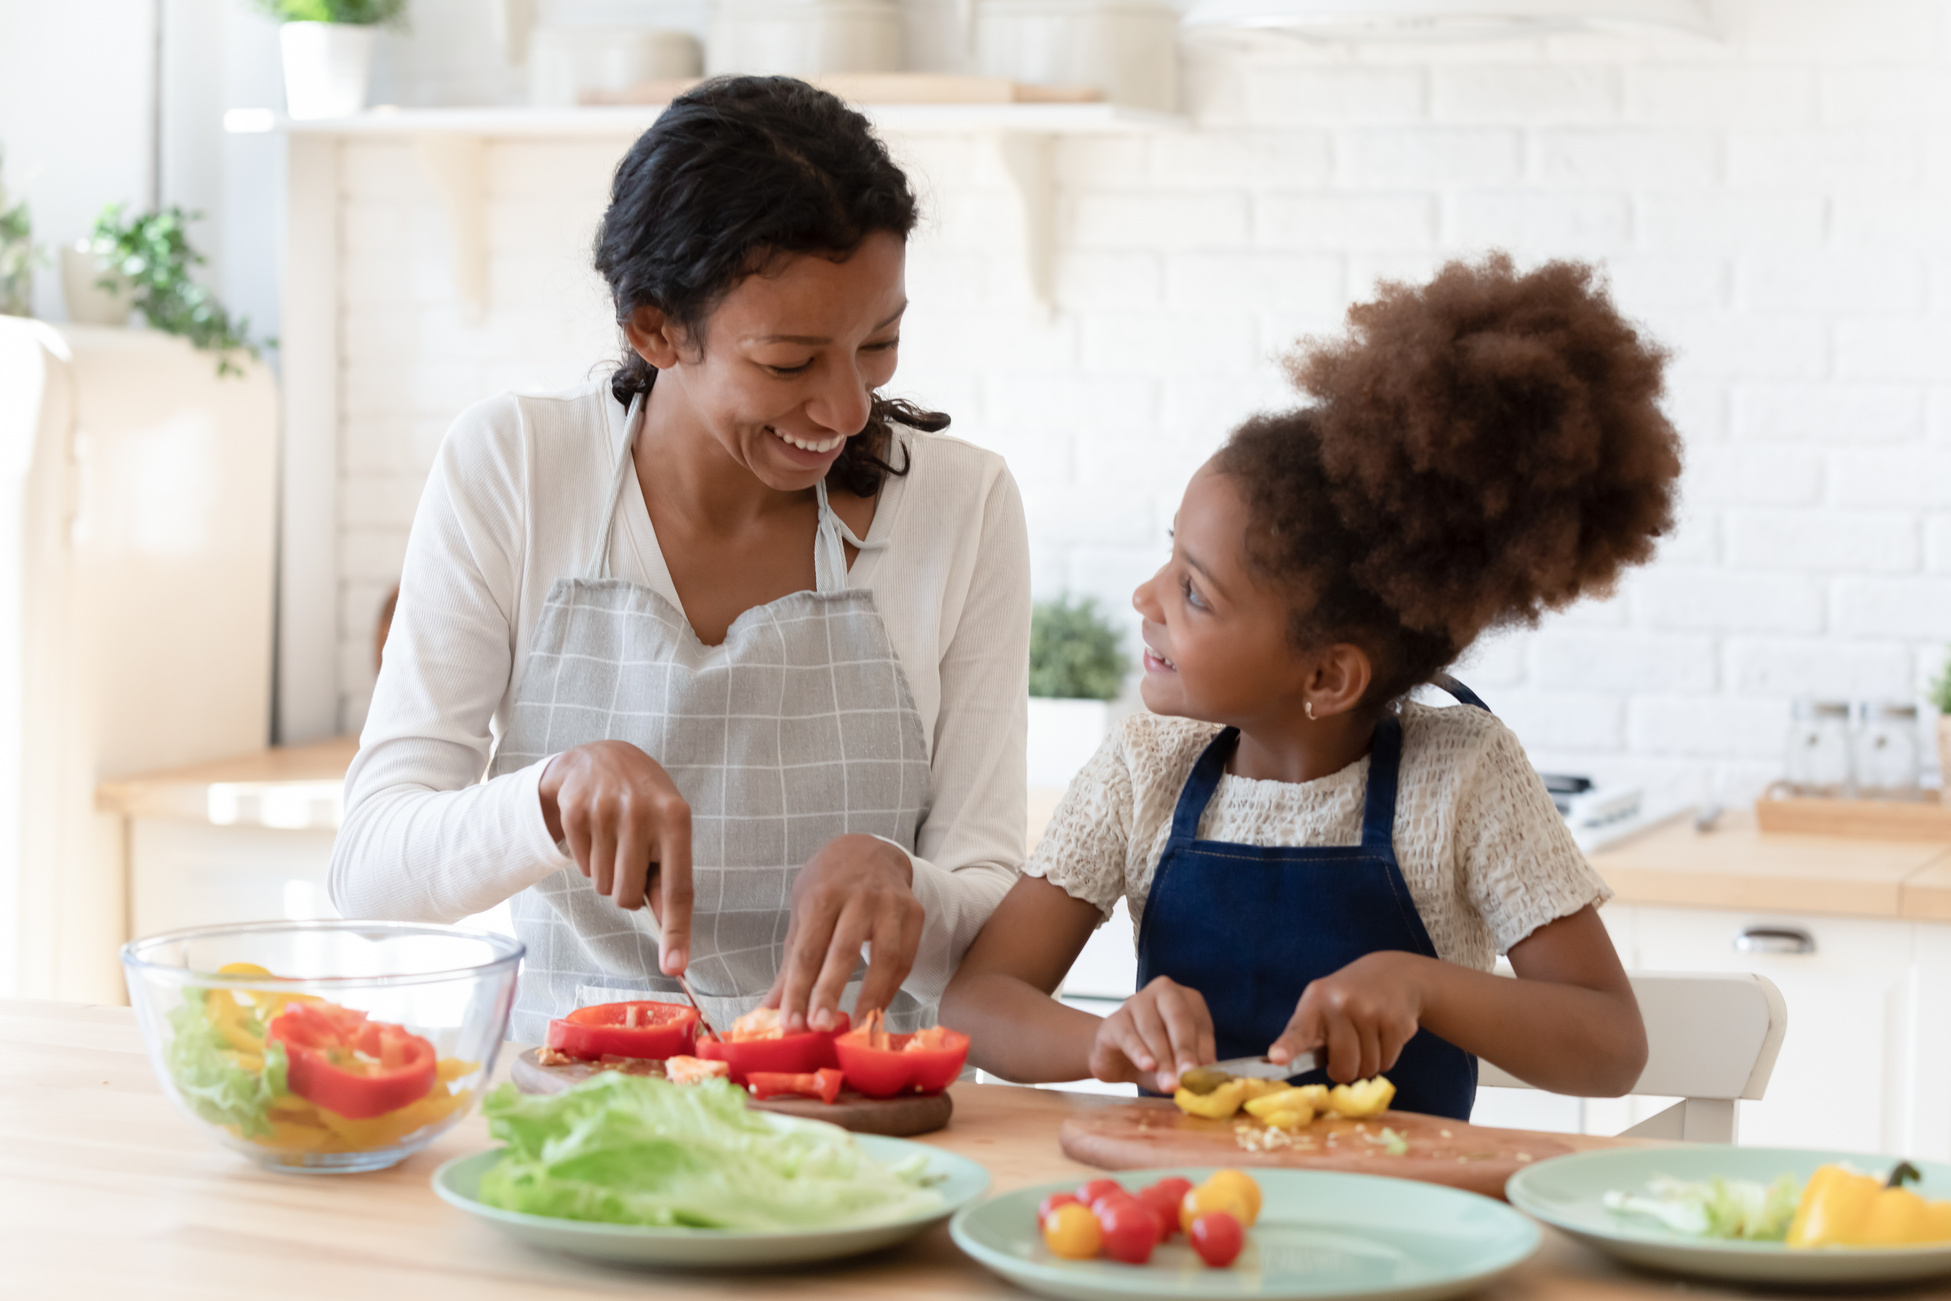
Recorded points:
(1737, 866)
(106, 1191)
(297, 787)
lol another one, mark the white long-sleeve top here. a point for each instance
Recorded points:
(516, 500)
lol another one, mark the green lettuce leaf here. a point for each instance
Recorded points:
(216, 1088)
(1715, 1208)
(629, 1149)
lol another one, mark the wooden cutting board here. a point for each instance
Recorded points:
(895, 1117)
(1141, 1135)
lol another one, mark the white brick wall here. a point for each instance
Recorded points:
(1776, 207)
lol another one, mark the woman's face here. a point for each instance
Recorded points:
(790, 359)
(1216, 640)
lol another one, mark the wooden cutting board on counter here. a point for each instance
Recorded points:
(894, 1117)
(1146, 1134)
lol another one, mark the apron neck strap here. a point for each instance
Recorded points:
(1199, 787)
(1379, 806)
(829, 546)
(1463, 694)
(598, 564)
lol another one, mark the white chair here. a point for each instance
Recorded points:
(1711, 1040)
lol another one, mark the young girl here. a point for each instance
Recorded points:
(1313, 861)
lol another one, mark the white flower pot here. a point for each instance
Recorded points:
(1128, 49)
(88, 302)
(1064, 734)
(327, 66)
(804, 38)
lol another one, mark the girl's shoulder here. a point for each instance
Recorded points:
(1157, 749)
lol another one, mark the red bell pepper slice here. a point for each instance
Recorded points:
(793, 1054)
(338, 1060)
(822, 1084)
(641, 1029)
(881, 1065)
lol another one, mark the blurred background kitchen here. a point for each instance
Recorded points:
(341, 233)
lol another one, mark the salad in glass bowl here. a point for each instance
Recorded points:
(323, 1046)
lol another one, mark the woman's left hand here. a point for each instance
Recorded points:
(858, 890)
(1362, 1015)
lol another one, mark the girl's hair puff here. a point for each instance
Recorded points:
(1481, 449)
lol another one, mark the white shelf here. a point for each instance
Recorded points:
(570, 123)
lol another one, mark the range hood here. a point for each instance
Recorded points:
(1448, 20)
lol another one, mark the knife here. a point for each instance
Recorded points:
(1260, 1068)
(685, 985)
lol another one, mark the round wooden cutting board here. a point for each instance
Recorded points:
(895, 1117)
(1146, 1134)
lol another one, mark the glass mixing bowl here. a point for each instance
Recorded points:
(323, 1046)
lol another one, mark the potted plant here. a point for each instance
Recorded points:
(327, 46)
(149, 257)
(1077, 667)
(1941, 701)
(18, 258)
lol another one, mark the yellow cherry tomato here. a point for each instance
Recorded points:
(1226, 1196)
(1241, 1182)
(1072, 1232)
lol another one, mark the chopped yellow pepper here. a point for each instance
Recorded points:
(1292, 1108)
(1369, 1097)
(1841, 1208)
(1224, 1100)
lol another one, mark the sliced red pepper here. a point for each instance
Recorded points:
(793, 1054)
(881, 1065)
(340, 1061)
(823, 1084)
(640, 1029)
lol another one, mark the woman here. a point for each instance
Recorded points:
(734, 627)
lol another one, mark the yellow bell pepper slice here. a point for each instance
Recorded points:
(1220, 1104)
(1842, 1208)
(1369, 1097)
(1289, 1102)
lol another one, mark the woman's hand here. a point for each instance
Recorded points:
(1363, 1015)
(629, 829)
(1160, 1033)
(858, 890)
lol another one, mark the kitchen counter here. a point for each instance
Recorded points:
(105, 1190)
(286, 788)
(1736, 866)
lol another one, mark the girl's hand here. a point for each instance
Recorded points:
(858, 890)
(630, 832)
(1363, 1014)
(1161, 1032)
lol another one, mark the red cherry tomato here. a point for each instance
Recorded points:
(1090, 1191)
(1217, 1237)
(1177, 1187)
(1164, 1203)
(1049, 1206)
(1130, 1229)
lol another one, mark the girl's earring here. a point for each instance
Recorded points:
(1307, 707)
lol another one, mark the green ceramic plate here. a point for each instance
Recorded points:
(1320, 1236)
(1568, 1192)
(961, 1182)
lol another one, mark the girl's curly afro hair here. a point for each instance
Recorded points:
(1480, 449)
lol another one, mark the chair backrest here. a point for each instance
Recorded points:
(1707, 1036)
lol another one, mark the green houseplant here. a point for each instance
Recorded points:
(18, 257)
(150, 252)
(1078, 665)
(327, 48)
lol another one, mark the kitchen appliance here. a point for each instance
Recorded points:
(138, 492)
(804, 38)
(1128, 49)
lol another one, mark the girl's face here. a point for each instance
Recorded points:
(789, 360)
(1216, 643)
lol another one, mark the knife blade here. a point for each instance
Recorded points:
(685, 985)
(1260, 1068)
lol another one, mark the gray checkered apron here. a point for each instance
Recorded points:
(799, 727)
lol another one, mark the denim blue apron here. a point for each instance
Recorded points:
(1249, 926)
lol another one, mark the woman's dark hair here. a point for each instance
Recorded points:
(736, 172)
(1481, 449)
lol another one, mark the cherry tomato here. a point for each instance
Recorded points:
(1217, 1237)
(1242, 1183)
(1130, 1229)
(1072, 1232)
(1176, 1186)
(1164, 1204)
(1213, 1197)
(1096, 1188)
(1050, 1204)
